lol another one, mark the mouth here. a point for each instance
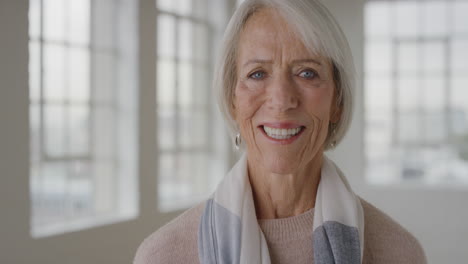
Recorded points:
(283, 135)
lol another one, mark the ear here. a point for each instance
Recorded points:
(336, 111)
(232, 108)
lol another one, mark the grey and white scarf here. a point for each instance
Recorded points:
(229, 231)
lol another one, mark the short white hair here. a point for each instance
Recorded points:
(319, 32)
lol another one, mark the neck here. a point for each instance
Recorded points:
(284, 195)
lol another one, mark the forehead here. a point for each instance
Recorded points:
(268, 31)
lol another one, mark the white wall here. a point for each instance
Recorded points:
(437, 217)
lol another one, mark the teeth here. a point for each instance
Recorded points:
(278, 133)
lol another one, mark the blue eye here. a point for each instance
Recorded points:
(258, 75)
(308, 74)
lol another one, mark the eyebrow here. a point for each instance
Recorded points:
(260, 61)
(308, 61)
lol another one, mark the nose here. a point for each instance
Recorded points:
(283, 94)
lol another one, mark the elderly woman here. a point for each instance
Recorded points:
(285, 80)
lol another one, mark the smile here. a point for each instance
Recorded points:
(282, 133)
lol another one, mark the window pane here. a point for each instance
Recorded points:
(408, 57)
(185, 40)
(79, 20)
(35, 132)
(200, 172)
(434, 93)
(78, 75)
(34, 71)
(186, 84)
(166, 82)
(460, 56)
(378, 57)
(379, 93)
(379, 125)
(410, 127)
(78, 132)
(407, 18)
(166, 5)
(54, 72)
(54, 19)
(459, 93)
(166, 127)
(80, 189)
(459, 103)
(433, 57)
(377, 151)
(166, 176)
(409, 93)
(55, 136)
(460, 23)
(52, 193)
(104, 183)
(201, 43)
(201, 85)
(435, 127)
(412, 163)
(166, 36)
(435, 18)
(378, 18)
(201, 9)
(193, 128)
(34, 18)
(184, 167)
(184, 7)
(459, 122)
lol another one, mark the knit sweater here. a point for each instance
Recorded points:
(289, 240)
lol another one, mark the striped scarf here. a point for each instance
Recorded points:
(229, 231)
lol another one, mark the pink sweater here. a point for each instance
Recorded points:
(289, 240)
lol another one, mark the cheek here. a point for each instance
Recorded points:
(318, 103)
(247, 100)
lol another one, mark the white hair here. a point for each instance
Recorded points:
(319, 32)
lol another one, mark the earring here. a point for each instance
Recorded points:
(333, 128)
(238, 141)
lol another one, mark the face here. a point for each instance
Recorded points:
(284, 96)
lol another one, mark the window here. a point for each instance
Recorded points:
(82, 113)
(416, 91)
(191, 140)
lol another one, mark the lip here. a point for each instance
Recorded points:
(283, 125)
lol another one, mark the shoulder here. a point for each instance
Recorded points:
(386, 241)
(175, 242)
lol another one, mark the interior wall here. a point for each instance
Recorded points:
(14, 167)
(436, 216)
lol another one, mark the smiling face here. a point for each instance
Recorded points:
(284, 96)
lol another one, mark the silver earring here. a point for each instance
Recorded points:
(333, 127)
(238, 141)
